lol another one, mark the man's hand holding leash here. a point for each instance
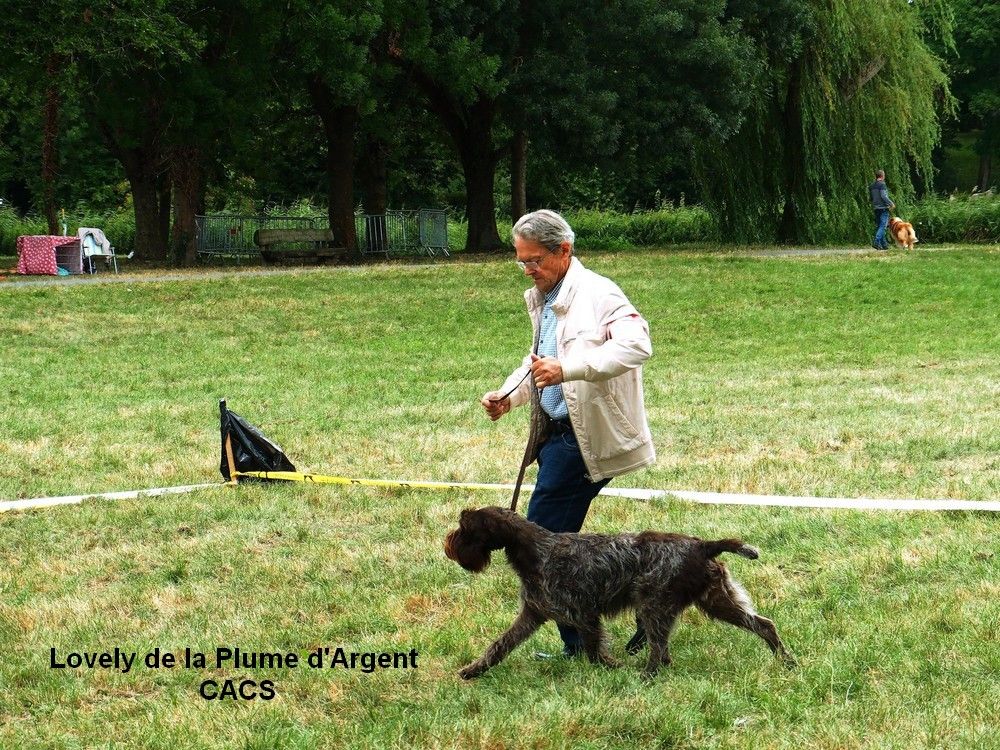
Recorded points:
(545, 371)
(496, 404)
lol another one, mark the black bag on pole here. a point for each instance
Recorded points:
(250, 449)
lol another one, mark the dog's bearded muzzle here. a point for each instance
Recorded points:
(465, 552)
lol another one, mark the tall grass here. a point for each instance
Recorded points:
(965, 219)
(602, 230)
(13, 226)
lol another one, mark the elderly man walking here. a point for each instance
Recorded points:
(585, 385)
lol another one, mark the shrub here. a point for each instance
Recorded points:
(605, 230)
(965, 219)
(13, 226)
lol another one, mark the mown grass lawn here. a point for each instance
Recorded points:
(866, 375)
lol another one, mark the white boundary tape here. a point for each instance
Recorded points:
(848, 503)
(47, 502)
(708, 498)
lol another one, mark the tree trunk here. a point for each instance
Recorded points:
(143, 165)
(789, 227)
(480, 205)
(479, 165)
(339, 123)
(470, 128)
(373, 176)
(985, 170)
(141, 169)
(518, 176)
(187, 177)
(50, 137)
(164, 193)
(373, 180)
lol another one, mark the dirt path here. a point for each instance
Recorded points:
(13, 280)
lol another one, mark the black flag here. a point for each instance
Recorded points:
(250, 450)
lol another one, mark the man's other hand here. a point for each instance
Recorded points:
(546, 371)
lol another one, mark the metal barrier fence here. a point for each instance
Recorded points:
(400, 233)
(230, 237)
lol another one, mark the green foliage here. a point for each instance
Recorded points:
(615, 98)
(967, 219)
(957, 163)
(615, 115)
(13, 226)
(977, 71)
(605, 230)
(859, 90)
(613, 230)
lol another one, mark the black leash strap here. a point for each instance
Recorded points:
(536, 406)
(520, 478)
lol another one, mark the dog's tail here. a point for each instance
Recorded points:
(736, 546)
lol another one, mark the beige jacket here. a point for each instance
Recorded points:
(602, 342)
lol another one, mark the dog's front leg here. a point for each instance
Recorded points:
(526, 623)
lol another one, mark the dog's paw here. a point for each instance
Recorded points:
(470, 671)
(647, 674)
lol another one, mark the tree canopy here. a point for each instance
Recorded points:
(773, 113)
(844, 88)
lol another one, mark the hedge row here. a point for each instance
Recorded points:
(968, 219)
(971, 219)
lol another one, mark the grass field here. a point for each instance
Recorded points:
(870, 375)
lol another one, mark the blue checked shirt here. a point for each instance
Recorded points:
(552, 396)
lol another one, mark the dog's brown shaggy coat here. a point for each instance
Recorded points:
(902, 232)
(575, 579)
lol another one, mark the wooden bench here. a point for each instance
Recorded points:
(303, 245)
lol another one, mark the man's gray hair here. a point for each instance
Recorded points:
(545, 227)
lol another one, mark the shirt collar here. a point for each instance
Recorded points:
(551, 295)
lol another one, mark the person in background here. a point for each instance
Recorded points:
(881, 205)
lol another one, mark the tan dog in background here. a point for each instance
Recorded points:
(902, 232)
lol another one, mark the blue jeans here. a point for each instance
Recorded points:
(881, 222)
(562, 496)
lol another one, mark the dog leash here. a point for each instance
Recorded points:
(528, 453)
(536, 408)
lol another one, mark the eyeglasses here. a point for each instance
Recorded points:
(531, 265)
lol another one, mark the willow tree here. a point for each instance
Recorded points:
(844, 88)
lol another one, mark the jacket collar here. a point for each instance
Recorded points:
(536, 299)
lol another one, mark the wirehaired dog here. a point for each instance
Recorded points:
(576, 579)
